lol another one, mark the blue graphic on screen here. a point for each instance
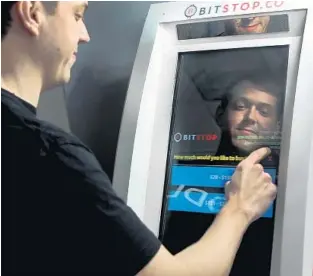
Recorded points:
(201, 202)
(193, 199)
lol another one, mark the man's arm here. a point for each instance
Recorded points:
(212, 255)
(250, 194)
(111, 232)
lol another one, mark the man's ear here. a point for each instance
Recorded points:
(30, 14)
(220, 116)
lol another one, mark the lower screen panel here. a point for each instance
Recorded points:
(227, 104)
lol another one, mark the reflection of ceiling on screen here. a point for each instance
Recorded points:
(212, 72)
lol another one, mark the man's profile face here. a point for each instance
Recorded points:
(251, 25)
(251, 113)
(60, 36)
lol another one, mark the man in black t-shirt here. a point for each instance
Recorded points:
(59, 212)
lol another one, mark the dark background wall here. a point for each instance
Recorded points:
(94, 99)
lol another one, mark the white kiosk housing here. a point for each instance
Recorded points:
(174, 29)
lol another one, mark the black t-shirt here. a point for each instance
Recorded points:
(59, 211)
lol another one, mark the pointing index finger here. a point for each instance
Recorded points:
(258, 155)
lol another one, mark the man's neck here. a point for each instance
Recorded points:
(23, 90)
(20, 76)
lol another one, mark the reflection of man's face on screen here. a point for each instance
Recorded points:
(251, 112)
(251, 24)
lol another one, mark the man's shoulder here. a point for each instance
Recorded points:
(21, 126)
(66, 149)
(57, 137)
(57, 154)
(47, 135)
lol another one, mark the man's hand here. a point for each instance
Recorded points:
(250, 193)
(251, 189)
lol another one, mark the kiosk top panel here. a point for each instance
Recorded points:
(190, 11)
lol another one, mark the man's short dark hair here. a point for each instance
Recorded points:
(6, 18)
(269, 83)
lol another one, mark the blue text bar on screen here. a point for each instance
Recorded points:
(206, 176)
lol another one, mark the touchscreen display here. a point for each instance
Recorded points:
(227, 103)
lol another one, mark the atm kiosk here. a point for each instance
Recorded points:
(212, 81)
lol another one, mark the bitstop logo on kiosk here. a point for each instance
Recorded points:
(194, 10)
(194, 137)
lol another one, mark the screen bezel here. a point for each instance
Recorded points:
(165, 84)
(161, 124)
